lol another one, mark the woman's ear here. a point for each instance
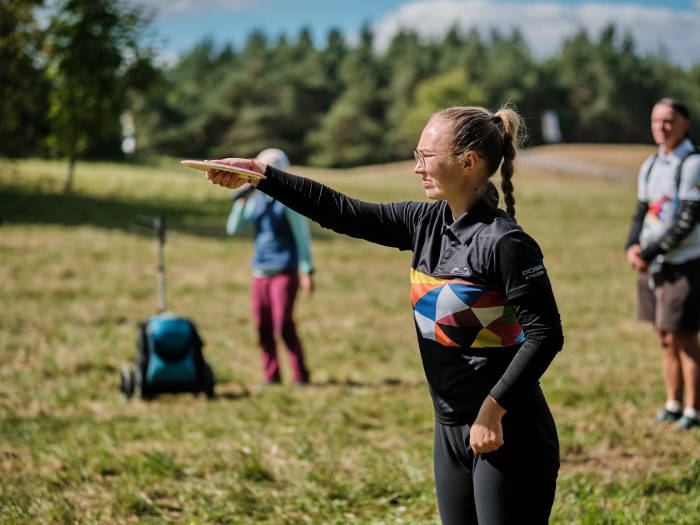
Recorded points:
(470, 160)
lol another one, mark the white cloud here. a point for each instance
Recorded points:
(545, 24)
(188, 7)
(165, 57)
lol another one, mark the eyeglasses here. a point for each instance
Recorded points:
(420, 157)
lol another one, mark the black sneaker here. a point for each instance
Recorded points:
(666, 416)
(686, 422)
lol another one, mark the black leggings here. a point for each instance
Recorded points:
(514, 484)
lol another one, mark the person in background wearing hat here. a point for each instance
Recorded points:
(281, 264)
(664, 249)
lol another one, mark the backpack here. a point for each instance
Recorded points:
(676, 175)
(169, 357)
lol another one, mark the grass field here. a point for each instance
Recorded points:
(356, 446)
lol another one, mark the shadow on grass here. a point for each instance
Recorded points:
(232, 396)
(169, 398)
(353, 383)
(203, 218)
(241, 391)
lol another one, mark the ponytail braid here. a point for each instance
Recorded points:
(512, 122)
(507, 170)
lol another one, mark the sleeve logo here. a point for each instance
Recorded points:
(535, 271)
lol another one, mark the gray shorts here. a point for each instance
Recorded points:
(670, 299)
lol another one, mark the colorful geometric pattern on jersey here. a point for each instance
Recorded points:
(457, 313)
(656, 209)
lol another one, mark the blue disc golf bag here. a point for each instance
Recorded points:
(170, 357)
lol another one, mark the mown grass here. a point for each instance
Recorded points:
(356, 446)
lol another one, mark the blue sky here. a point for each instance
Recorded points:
(673, 25)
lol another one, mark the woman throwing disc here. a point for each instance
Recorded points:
(485, 315)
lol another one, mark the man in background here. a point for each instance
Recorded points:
(664, 248)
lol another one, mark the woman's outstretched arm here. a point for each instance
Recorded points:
(389, 224)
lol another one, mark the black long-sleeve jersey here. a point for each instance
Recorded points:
(483, 306)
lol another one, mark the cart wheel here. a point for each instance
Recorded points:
(127, 381)
(140, 388)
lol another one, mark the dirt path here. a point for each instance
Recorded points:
(540, 160)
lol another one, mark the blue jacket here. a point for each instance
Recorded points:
(282, 239)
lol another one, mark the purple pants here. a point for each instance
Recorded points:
(273, 305)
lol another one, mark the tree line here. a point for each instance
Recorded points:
(69, 83)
